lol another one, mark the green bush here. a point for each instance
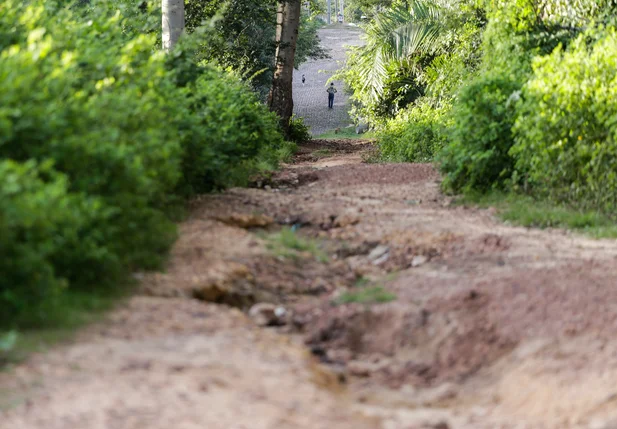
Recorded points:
(94, 105)
(224, 127)
(566, 133)
(414, 135)
(104, 135)
(477, 156)
(39, 219)
(484, 111)
(298, 131)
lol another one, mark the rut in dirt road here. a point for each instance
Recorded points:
(344, 294)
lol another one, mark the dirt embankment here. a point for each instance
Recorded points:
(342, 294)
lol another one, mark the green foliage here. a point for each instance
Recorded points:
(530, 15)
(386, 73)
(477, 156)
(566, 131)
(415, 135)
(225, 126)
(308, 46)
(531, 85)
(345, 133)
(298, 132)
(527, 211)
(287, 244)
(38, 219)
(322, 153)
(563, 147)
(79, 94)
(423, 51)
(366, 295)
(101, 137)
(240, 35)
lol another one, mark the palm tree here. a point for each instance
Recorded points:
(396, 37)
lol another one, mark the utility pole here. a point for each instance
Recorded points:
(329, 10)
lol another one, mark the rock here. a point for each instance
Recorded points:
(230, 283)
(286, 178)
(266, 314)
(441, 393)
(413, 202)
(361, 128)
(439, 425)
(210, 292)
(346, 220)
(243, 220)
(419, 260)
(382, 259)
(378, 252)
(362, 369)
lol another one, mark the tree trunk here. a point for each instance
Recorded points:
(280, 99)
(173, 22)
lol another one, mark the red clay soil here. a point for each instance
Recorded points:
(487, 325)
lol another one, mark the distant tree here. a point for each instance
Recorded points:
(240, 34)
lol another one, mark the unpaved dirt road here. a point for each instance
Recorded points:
(492, 326)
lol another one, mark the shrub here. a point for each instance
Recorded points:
(103, 136)
(415, 135)
(566, 134)
(224, 127)
(298, 131)
(484, 112)
(38, 219)
(366, 295)
(94, 105)
(477, 157)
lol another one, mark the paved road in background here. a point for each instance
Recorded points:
(311, 99)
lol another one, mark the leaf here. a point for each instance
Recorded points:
(397, 36)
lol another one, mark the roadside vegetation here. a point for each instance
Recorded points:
(104, 136)
(508, 96)
(344, 133)
(288, 244)
(525, 210)
(365, 295)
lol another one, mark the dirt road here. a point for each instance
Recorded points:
(386, 307)
(394, 309)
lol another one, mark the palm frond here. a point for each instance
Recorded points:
(395, 36)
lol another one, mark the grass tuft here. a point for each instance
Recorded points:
(288, 244)
(322, 153)
(366, 295)
(526, 211)
(345, 133)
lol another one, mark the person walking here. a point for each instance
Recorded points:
(331, 91)
(303, 80)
